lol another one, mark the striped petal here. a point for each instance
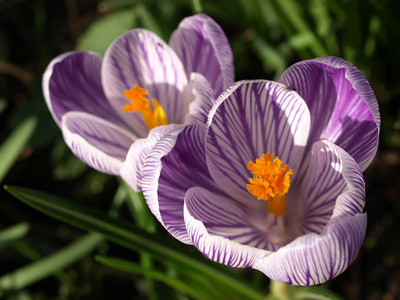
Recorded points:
(140, 57)
(203, 48)
(132, 169)
(217, 227)
(251, 119)
(342, 104)
(333, 186)
(97, 142)
(313, 258)
(203, 100)
(72, 82)
(334, 225)
(175, 164)
(352, 201)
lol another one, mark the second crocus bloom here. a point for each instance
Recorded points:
(274, 180)
(113, 110)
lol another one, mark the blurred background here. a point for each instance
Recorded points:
(266, 36)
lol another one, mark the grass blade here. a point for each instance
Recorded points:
(144, 220)
(305, 36)
(48, 265)
(132, 267)
(131, 237)
(15, 143)
(13, 233)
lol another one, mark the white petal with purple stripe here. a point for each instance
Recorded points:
(314, 259)
(332, 186)
(251, 119)
(333, 197)
(203, 48)
(175, 164)
(132, 169)
(72, 82)
(140, 57)
(343, 106)
(203, 99)
(97, 142)
(217, 227)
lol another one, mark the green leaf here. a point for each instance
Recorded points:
(48, 265)
(102, 33)
(13, 233)
(324, 26)
(178, 284)
(131, 237)
(138, 207)
(148, 21)
(271, 58)
(291, 15)
(15, 143)
(145, 220)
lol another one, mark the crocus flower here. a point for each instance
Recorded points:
(112, 110)
(274, 180)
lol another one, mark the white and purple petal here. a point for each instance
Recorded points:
(333, 182)
(72, 82)
(176, 163)
(140, 57)
(203, 48)
(251, 119)
(353, 200)
(203, 100)
(217, 226)
(342, 104)
(97, 142)
(316, 258)
(132, 168)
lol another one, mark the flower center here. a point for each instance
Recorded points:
(153, 116)
(270, 183)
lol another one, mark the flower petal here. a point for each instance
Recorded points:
(203, 48)
(72, 82)
(343, 106)
(140, 57)
(333, 186)
(176, 163)
(353, 200)
(97, 142)
(203, 100)
(132, 169)
(314, 259)
(251, 119)
(217, 227)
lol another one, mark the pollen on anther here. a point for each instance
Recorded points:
(270, 183)
(138, 102)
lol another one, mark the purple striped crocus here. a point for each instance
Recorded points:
(274, 180)
(112, 110)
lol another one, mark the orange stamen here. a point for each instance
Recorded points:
(152, 117)
(270, 183)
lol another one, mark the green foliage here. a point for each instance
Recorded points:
(99, 36)
(48, 265)
(13, 233)
(12, 147)
(131, 237)
(184, 285)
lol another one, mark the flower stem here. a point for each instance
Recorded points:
(280, 290)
